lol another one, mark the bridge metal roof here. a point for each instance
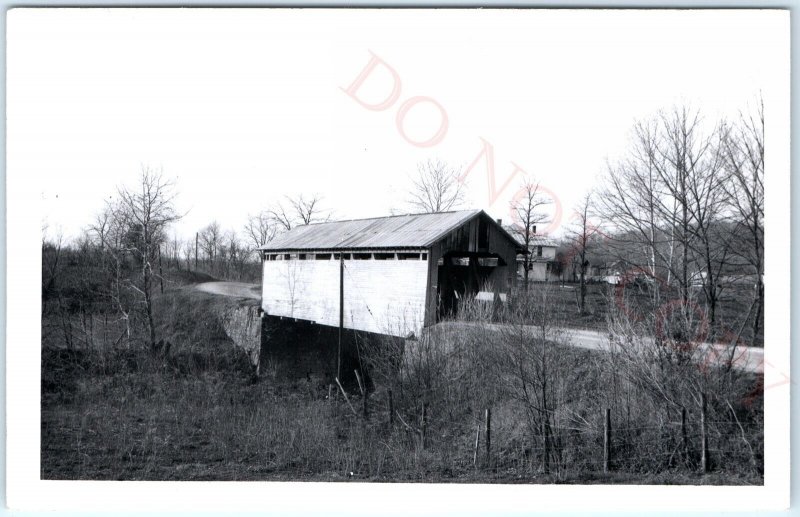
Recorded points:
(397, 232)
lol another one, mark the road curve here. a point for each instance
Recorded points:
(233, 289)
(745, 358)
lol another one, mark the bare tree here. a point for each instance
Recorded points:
(210, 241)
(686, 164)
(235, 253)
(664, 200)
(582, 235)
(530, 370)
(260, 229)
(527, 211)
(111, 234)
(298, 210)
(188, 253)
(308, 210)
(52, 250)
(706, 200)
(742, 147)
(436, 187)
(172, 249)
(99, 230)
(631, 201)
(146, 210)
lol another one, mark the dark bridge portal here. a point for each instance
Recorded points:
(461, 275)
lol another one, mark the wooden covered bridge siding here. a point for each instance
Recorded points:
(398, 274)
(474, 242)
(383, 295)
(387, 278)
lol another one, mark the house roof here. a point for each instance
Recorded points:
(392, 232)
(543, 240)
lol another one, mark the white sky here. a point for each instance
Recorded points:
(244, 106)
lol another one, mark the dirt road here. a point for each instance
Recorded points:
(745, 358)
(749, 359)
(235, 289)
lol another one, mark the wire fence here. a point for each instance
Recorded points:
(495, 442)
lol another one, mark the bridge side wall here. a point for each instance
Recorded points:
(380, 296)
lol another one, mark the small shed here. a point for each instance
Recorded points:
(387, 275)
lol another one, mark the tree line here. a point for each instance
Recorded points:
(680, 213)
(127, 254)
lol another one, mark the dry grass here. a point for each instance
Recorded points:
(603, 298)
(151, 423)
(194, 413)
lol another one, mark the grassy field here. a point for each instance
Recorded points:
(152, 423)
(600, 298)
(195, 413)
(215, 425)
(113, 408)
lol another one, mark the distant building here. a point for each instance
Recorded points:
(387, 275)
(542, 251)
(610, 272)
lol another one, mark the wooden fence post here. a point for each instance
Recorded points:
(703, 435)
(488, 436)
(160, 270)
(424, 423)
(360, 384)
(345, 397)
(308, 388)
(684, 437)
(546, 448)
(607, 441)
(477, 441)
(391, 409)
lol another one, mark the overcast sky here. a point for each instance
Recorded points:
(241, 107)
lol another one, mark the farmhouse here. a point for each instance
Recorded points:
(389, 275)
(542, 259)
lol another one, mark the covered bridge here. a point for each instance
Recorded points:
(387, 275)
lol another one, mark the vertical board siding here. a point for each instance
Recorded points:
(380, 296)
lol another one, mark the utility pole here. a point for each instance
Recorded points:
(341, 315)
(196, 240)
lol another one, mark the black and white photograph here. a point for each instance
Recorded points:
(464, 249)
